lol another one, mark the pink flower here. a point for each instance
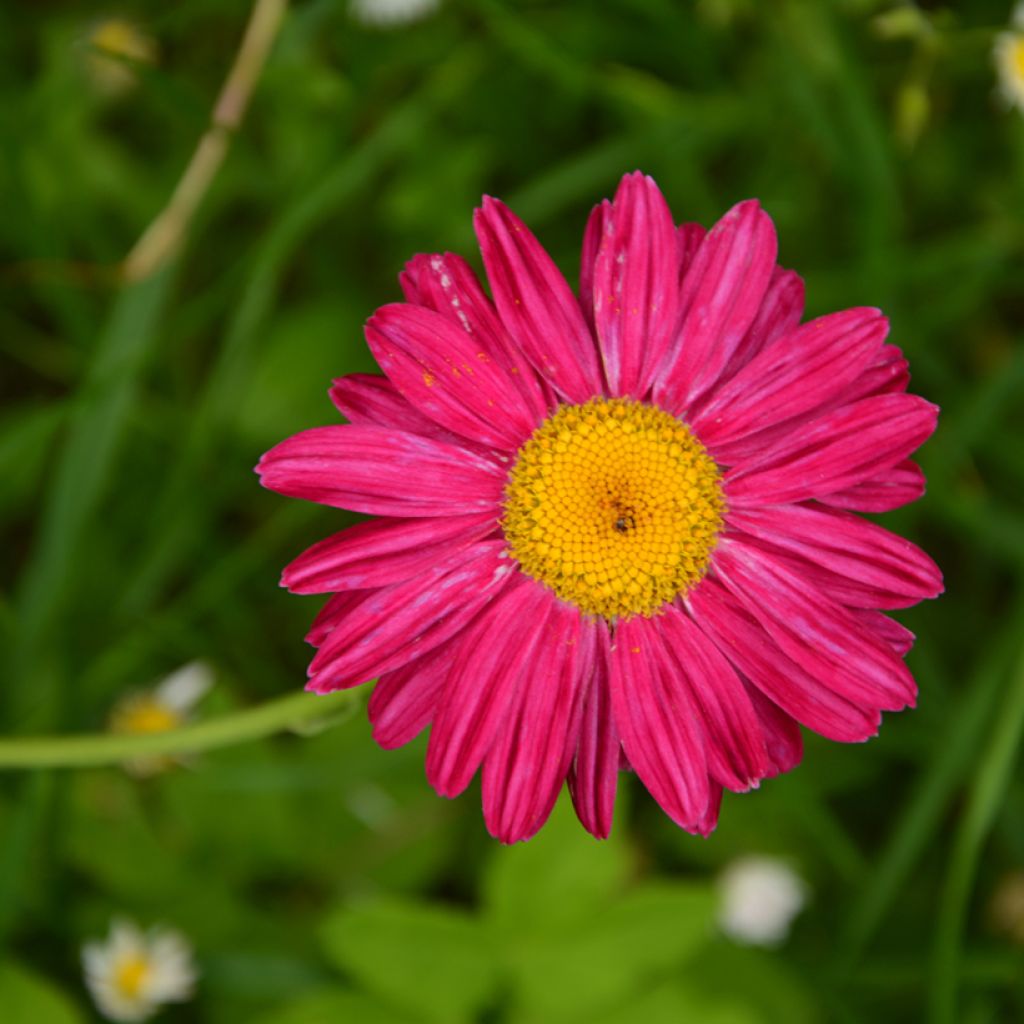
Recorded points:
(615, 531)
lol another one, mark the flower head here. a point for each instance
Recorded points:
(1008, 54)
(615, 529)
(391, 13)
(759, 897)
(116, 47)
(133, 973)
(167, 706)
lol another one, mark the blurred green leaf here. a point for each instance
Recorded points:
(27, 998)
(336, 1006)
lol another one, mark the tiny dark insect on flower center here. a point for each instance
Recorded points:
(614, 505)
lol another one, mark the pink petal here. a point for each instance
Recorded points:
(636, 291)
(688, 239)
(382, 472)
(783, 742)
(885, 630)
(399, 623)
(369, 400)
(595, 771)
(734, 739)
(448, 375)
(721, 295)
(709, 819)
(592, 235)
(657, 722)
(796, 374)
(807, 698)
(383, 551)
(835, 451)
(446, 283)
(536, 305)
(526, 765)
(892, 488)
(856, 562)
(334, 611)
(781, 311)
(489, 663)
(812, 630)
(404, 702)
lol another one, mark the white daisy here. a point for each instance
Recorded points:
(391, 13)
(1008, 54)
(758, 899)
(133, 973)
(167, 706)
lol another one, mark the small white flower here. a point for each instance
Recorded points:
(758, 899)
(133, 973)
(167, 706)
(391, 13)
(1008, 54)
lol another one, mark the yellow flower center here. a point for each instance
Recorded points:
(615, 506)
(1017, 59)
(130, 975)
(144, 714)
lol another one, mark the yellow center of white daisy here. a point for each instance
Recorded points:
(143, 713)
(130, 975)
(615, 506)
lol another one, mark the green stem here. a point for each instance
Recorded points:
(983, 803)
(291, 712)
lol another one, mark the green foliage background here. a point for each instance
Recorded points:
(318, 877)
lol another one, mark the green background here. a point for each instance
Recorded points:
(319, 878)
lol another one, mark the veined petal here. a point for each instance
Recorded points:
(449, 375)
(446, 283)
(812, 630)
(835, 451)
(382, 472)
(404, 702)
(783, 742)
(366, 399)
(800, 371)
(593, 233)
(526, 765)
(489, 664)
(594, 774)
(893, 488)
(334, 611)
(859, 563)
(885, 630)
(636, 292)
(383, 551)
(734, 738)
(535, 303)
(807, 698)
(656, 721)
(396, 624)
(721, 294)
(688, 239)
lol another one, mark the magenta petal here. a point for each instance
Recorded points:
(734, 739)
(657, 721)
(721, 294)
(526, 765)
(448, 375)
(892, 488)
(885, 630)
(489, 663)
(399, 623)
(366, 399)
(594, 775)
(383, 551)
(446, 283)
(536, 305)
(688, 239)
(404, 702)
(808, 699)
(783, 742)
(636, 291)
(857, 562)
(812, 630)
(382, 472)
(709, 820)
(593, 233)
(801, 371)
(835, 451)
(335, 609)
